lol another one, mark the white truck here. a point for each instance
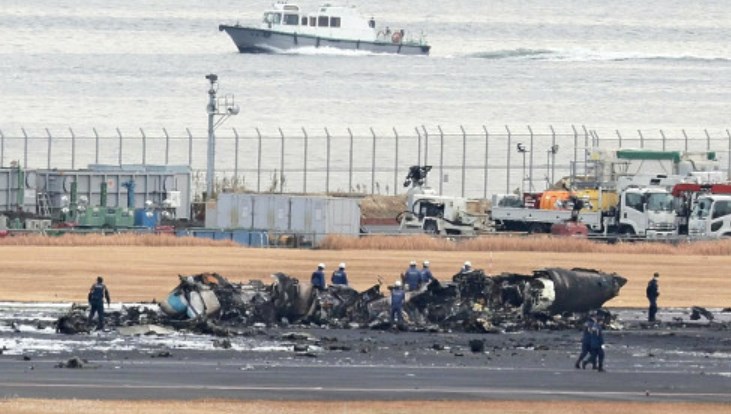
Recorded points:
(710, 217)
(434, 214)
(641, 212)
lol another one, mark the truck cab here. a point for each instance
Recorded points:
(710, 217)
(647, 212)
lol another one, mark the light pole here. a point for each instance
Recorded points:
(217, 107)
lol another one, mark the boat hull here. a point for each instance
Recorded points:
(252, 40)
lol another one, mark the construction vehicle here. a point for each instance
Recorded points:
(641, 212)
(687, 196)
(444, 215)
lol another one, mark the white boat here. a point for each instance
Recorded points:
(285, 27)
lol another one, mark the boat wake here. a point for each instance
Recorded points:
(579, 55)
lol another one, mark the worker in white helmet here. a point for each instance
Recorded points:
(426, 274)
(398, 297)
(412, 277)
(467, 267)
(339, 277)
(318, 277)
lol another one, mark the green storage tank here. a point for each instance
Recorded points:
(120, 217)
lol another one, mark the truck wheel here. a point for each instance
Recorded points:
(431, 227)
(536, 228)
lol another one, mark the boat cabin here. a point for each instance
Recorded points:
(329, 21)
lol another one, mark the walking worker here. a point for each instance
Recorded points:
(585, 340)
(596, 347)
(339, 277)
(652, 292)
(426, 275)
(412, 277)
(318, 277)
(398, 297)
(97, 294)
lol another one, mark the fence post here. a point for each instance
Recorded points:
(662, 134)
(190, 147)
(464, 157)
(327, 162)
(728, 156)
(96, 146)
(426, 145)
(619, 137)
(281, 163)
(350, 162)
(395, 162)
(373, 163)
(530, 161)
(418, 146)
(2, 148)
(144, 147)
(258, 162)
(304, 168)
(507, 169)
(708, 140)
(576, 153)
(586, 150)
(642, 139)
(236, 154)
(25, 148)
(554, 150)
(487, 151)
(167, 146)
(120, 146)
(441, 159)
(73, 149)
(50, 146)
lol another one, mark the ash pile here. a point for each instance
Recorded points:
(552, 298)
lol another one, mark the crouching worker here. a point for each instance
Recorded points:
(398, 297)
(97, 294)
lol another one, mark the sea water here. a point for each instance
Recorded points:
(129, 64)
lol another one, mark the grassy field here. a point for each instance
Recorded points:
(143, 273)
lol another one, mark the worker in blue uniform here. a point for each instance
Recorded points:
(412, 277)
(652, 292)
(585, 340)
(97, 294)
(318, 277)
(596, 347)
(398, 297)
(426, 274)
(339, 277)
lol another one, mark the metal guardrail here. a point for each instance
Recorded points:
(469, 163)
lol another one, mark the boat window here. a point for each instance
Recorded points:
(313, 21)
(304, 21)
(291, 19)
(335, 22)
(274, 18)
(322, 21)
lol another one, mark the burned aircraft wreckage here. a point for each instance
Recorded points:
(471, 302)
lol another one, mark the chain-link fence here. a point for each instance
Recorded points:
(474, 162)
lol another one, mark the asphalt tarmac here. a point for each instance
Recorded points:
(669, 361)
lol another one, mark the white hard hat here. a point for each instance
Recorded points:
(398, 283)
(413, 263)
(467, 264)
(321, 265)
(342, 265)
(426, 263)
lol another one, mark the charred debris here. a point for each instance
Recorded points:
(552, 298)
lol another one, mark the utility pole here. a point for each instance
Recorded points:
(214, 110)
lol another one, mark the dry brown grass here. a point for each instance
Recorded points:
(534, 243)
(120, 239)
(133, 273)
(26, 406)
